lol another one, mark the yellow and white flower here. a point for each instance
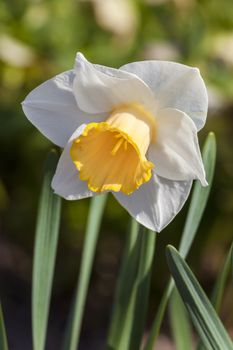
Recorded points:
(131, 131)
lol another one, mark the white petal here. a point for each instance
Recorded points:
(66, 182)
(156, 202)
(99, 88)
(52, 108)
(175, 153)
(174, 85)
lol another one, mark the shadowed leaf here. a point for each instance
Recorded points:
(3, 337)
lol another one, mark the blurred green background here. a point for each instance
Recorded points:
(39, 39)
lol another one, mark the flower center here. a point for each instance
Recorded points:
(111, 155)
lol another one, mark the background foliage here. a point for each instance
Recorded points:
(39, 39)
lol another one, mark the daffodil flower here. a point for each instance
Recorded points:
(131, 131)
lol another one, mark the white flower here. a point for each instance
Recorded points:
(132, 131)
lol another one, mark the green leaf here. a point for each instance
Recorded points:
(199, 196)
(219, 287)
(142, 287)
(180, 324)
(47, 229)
(202, 313)
(135, 314)
(221, 281)
(3, 337)
(124, 287)
(154, 332)
(196, 209)
(93, 225)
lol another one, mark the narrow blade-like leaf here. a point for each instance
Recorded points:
(202, 313)
(142, 287)
(196, 209)
(3, 337)
(124, 287)
(219, 287)
(135, 313)
(199, 196)
(180, 324)
(76, 316)
(221, 282)
(47, 229)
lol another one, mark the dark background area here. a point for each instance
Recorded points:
(39, 39)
